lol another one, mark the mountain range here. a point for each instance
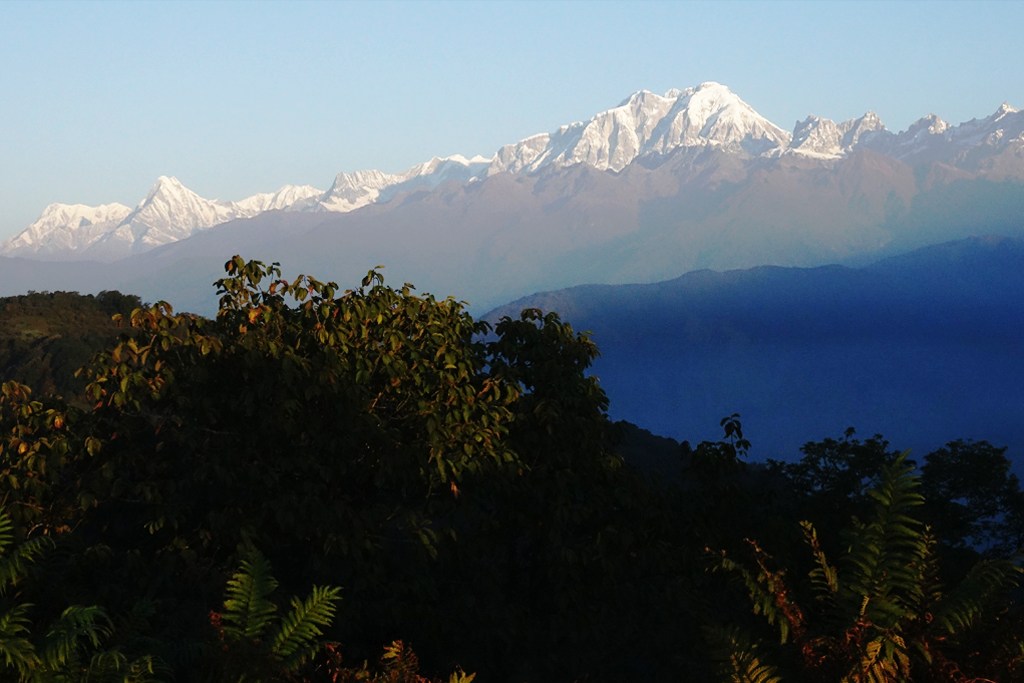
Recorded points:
(654, 187)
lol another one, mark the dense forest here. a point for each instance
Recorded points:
(370, 485)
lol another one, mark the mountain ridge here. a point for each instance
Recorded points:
(644, 127)
(923, 348)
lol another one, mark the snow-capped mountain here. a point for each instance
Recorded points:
(172, 212)
(66, 227)
(288, 197)
(929, 139)
(820, 137)
(169, 213)
(351, 191)
(645, 124)
(707, 119)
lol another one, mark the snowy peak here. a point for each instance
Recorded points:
(714, 114)
(923, 131)
(170, 212)
(931, 139)
(864, 128)
(167, 186)
(288, 197)
(440, 170)
(65, 227)
(820, 137)
(644, 124)
(350, 191)
(449, 165)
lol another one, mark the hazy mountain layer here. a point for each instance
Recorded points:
(923, 348)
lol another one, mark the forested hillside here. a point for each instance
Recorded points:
(46, 336)
(322, 484)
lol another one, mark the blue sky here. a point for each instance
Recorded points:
(97, 99)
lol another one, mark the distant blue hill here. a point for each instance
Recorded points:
(923, 348)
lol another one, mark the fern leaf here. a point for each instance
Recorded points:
(461, 676)
(964, 605)
(115, 666)
(295, 640)
(14, 562)
(888, 552)
(769, 593)
(824, 577)
(738, 657)
(248, 610)
(6, 531)
(16, 650)
(76, 625)
(747, 668)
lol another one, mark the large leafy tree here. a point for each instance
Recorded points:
(331, 429)
(352, 436)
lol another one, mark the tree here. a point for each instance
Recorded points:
(376, 399)
(974, 501)
(331, 429)
(35, 441)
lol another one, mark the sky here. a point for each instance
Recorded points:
(98, 99)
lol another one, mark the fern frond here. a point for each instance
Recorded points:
(746, 667)
(738, 657)
(964, 605)
(115, 666)
(248, 610)
(461, 676)
(16, 651)
(768, 591)
(883, 660)
(6, 531)
(824, 576)
(14, 562)
(76, 625)
(886, 559)
(295, 640)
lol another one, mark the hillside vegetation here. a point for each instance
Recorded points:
(370, 485)
(46, 336)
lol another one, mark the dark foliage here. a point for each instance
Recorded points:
(463, 487)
